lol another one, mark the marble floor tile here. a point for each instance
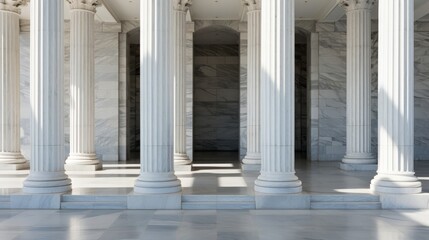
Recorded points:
(214, 225)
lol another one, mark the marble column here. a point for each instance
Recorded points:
(252, 160)
(395, 173)
(47, 99)
(180, 8)
(278, 99)
(359, 156)
(156, 99)
(82, 92)
(10, 145)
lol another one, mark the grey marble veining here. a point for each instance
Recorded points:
(301, 75)
(243, 93)
(216, 97)
(190, 90)
(421, 93)
(106, 91)
(331, 93)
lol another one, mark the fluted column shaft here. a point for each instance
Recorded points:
(358, 85)
(82, 92)
(179, 29)
(253, 156)
(278, 99)
(47, 99)
(10, 147)
(156, 97)
(396, 99)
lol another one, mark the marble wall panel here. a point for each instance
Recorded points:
(216, 98)
(421, 94)
(123, 87)
(313, 98)
(106, 91)
(243, 92)
(331, 90)
(133, 95)
(25, 94)
(190, 90)
(301, 75)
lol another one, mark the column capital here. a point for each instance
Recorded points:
(182, 5)
(89, 5)
(350, 5)
(12, 5)
(252, 5)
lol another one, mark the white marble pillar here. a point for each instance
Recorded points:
(359, 156)
(82, 92)
(47, 99)
(252, 160)
(10, 146)
(395, 173)
(180, 8)
(156, 97)
(278, 99)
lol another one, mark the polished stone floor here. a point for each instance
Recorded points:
(212, 224)
(215, 173)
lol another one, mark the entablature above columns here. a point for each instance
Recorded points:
(89, 5)
(350, 5)
(253, 5)
(182, 5)
(12, 5)
(102, 27)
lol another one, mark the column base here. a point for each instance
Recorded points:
(274, 183)
(251, 163)
(47, 182)
(359, 162)
(13, 161)
(83, 162)
(396, 184)
(250, 167)
(358, 167)
(182, 162)
(182, 168)
(157, 183)
(359, 159)
(181, 159)
(15, 166)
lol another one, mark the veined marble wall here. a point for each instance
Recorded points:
(134, 98)
(331, 92)
(243, 90)
(106, 90)
(301, 76)
(190, 26)
(216, 97)
(421, 86)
